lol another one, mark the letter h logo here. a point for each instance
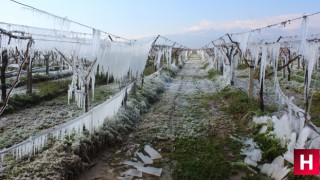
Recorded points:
(306, 162)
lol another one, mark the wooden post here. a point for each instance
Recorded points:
(134, 86)
(86, 89)
(142, 80)
(288, 67)
(3, 74)
(289, 73)
(261, 95)
(232, 73)
(306, 83)
(124, 102)
(283, 69)
(46, 59)
(251, 81)
(29, 75)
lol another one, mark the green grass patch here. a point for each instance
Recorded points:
(237, 103)
(47, 91)
(270, 146)
(242, 66)
(243, 76)
(297, 79)
(212, 73)
(103, 79)
(148, 70)
(52, 88)
(242, 108)
(19, 101)
(204, 158)
(315, 109)
(300, 72)
(205, 65)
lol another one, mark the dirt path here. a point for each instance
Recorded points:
(182, 112)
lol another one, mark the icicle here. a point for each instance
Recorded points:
(282, 128)
(170, 54)
(311, 55)
(289, 154)
(263, 63)
(275, 52)
(252, 152)
(304, 29)
(303, 136)
(95, 42)
(243, 40)
(255, 51)
(160, 55)
(70, 91)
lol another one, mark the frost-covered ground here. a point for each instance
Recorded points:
(22, 124)
(178, 114)
(66, 158)
(186, 110)
(290, 88)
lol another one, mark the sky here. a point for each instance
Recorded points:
(189, 22)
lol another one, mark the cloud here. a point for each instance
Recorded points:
(249, 24)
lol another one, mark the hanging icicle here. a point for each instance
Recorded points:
(95, 43)
(311, 56)
(304, 29)
(242, 39)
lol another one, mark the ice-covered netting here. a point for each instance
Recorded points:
(120, 58)
(157, 58)
(48, 39)
(213, 56)
(89, 121)
(294, 128)
(43, 32)
(243, 40)
(165, 53)
(304, 28)
(116, 59)
(276, 169)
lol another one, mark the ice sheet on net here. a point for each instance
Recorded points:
(134, 164)
(243, 39)
(282, 129)
(290, 148)
(252, 152)
(276, 169)
(132, 172)
(152, 152)
(144, 158)
(151, 170)
(311, 55)
(304, 33)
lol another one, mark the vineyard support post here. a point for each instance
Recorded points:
(3, 74)
(251, 81)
